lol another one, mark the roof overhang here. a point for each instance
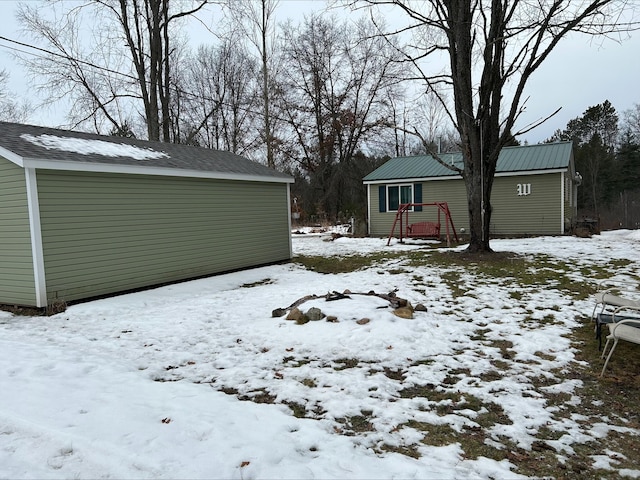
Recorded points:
(12, 157)
(96, 167)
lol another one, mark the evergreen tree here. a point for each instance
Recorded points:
(594, 136)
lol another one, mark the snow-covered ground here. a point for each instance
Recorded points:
(155, 384)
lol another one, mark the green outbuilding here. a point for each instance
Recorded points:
(534, 191)
(84, 215)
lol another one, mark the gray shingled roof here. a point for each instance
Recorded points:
(546, 156)
(19, 140)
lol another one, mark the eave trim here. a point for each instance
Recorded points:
(12, 157)
(147, 170)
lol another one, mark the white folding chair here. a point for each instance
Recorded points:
(614, 293)
(627, 329)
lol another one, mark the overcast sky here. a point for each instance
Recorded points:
(580, 73)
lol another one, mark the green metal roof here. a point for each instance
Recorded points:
(545, 156)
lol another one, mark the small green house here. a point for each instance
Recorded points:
(534, 191)
(84, 215)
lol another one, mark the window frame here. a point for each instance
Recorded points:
(399, 186)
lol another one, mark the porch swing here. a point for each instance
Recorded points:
(423, 229)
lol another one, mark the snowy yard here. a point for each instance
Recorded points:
(198, 380)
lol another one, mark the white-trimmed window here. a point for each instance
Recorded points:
(392, 196)
(397, 195)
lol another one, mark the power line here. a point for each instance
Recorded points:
(108, 70)
(60, 55)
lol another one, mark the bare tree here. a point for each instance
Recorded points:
(424, 127)
(255, 18)
(10, 109)
(66, 70)
(146, 27)
(631, 124)
(222, 111)
(129, 58)
(337, 79)
(491, 48)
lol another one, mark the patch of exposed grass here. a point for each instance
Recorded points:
(450, 380)
(398, 375)
(500, 365)
(493, 414)
(435, 435)
(537, 270)
(356, 424)
(545, 433)
(490, 376)
(407, 450)
(346, 363)
(516, 295)
(309, 382)
(346, 264)
(259, 396)
(479, 334)
(549, 319)
(557, 399)
(397, 271)
(476, 446)
(298, 361)
(452, 278)
(425, 361)
(229, 390)
(298, 410)
(472, 438)
(505, 347)
(423, 391)
(446, 403)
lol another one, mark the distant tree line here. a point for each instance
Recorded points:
(607, 154)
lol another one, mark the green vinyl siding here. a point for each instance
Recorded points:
(451, 191)
(105, 233)
(539, 211)
(17, 284)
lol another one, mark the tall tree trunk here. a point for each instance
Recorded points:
(165, 71)
(155, 49)
(268, 134)
(476, 178)
(478, 125)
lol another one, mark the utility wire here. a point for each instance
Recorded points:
(60, 55)
(68, 58)
(108, 70)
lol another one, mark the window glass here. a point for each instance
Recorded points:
(398, 194)
(405, 194)
(393, 195)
